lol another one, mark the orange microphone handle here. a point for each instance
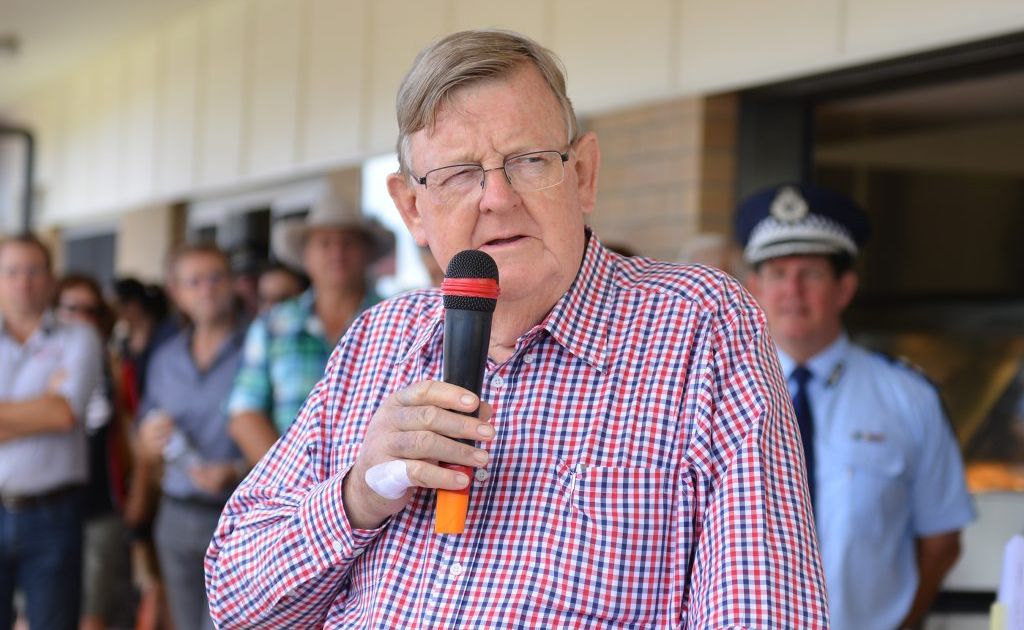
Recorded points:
(452, 505)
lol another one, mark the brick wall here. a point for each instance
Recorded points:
(668, 173)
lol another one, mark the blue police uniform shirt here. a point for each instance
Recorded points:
(888, 471)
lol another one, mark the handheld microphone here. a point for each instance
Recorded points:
(470, 290)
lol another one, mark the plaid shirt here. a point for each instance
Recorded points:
(646, 473)
(285, 355)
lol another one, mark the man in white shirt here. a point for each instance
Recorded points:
(47, 372)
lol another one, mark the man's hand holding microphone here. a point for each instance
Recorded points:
(416, 427)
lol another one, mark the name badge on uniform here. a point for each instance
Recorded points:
(868, 436)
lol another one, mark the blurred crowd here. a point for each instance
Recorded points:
(184, 387)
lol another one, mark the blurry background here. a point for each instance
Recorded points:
(127, 126)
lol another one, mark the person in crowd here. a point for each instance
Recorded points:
(279, 283)
(183, 425)
(48, 372)
(287, 349)
(714, 250)
(106, 579)
(886, 477)
(637, 461)
(247, 262)
(143, 323)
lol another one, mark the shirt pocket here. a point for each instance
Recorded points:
(876, 487)
(605, 547)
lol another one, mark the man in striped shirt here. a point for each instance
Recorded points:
(637, 462)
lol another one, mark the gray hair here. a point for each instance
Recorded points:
(463, 59)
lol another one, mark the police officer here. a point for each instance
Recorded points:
(884, 469)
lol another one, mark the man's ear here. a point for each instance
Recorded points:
(173, 289)
(587, 165)
(848, 284)
(51, 288)
(753, 283)
(401, 190)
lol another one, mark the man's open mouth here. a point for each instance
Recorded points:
(502, 241)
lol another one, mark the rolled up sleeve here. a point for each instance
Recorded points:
(82, 368)
(756, 563)
(252, 390)
(283, 549)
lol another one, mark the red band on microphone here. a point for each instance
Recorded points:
(471, 287)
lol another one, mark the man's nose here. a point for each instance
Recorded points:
(504, 173)
(498, 193)
(791, 284)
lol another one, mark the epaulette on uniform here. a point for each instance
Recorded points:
(905, 363)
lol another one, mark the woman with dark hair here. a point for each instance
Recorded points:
(278, 283)
(106, 581)
(142, 324)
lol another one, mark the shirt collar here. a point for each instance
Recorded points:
(578, 320)
(47, 325)
(821, 365)
(307, 308)
(232, 342)
(306, 301)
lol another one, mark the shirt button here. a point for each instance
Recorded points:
(481, 475)
(497, 382)
(338, 547)
(528, 358)
(456, 569)
(358, 552)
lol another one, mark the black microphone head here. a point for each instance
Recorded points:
(471, 264)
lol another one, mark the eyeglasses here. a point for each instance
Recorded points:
(216, 278)
(32, 272)
(526, 172)
(76, 309)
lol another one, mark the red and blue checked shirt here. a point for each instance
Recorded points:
(646, 473)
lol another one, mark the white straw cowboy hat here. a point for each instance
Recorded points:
(288, 235)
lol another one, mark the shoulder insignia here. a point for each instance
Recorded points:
(836, 374)
(905, 363)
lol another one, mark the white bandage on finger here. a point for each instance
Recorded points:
(390, 479)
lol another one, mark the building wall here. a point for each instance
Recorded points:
(145, 238)
(239, 93)
(667, 173)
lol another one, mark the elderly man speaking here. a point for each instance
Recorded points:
(637, 461)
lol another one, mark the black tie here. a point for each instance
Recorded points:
(805, 420)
